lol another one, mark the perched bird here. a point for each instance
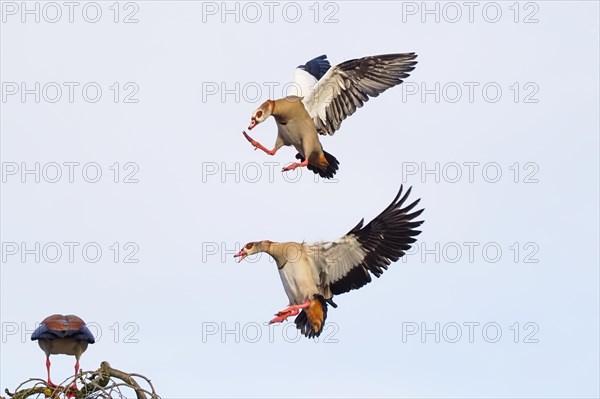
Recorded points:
(63, 335)
(326, 96)
(313, 273)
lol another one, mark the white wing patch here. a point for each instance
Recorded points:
(322, 94)
(334, 260)
(304, 83)
(347, 86)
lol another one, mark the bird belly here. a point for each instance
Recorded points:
(63, 346)
(291, 135)
(298, 283)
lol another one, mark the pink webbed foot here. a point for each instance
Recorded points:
(295, 165)
(50, 383)
(72, 391)
(255, 143)
(258, 145)
(55, 390)
(288, 312)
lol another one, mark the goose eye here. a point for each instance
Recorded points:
(259, 114)
(249, 245)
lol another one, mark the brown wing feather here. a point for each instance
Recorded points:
(58, 322)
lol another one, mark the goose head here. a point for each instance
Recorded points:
(262, 113)
(252, 248)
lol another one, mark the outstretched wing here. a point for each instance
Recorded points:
(348, 263)
(347, 86)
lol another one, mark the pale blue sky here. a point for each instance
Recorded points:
(201, 192)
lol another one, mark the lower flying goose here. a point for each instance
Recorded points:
(313, 273)
(63, 335)
(326, 96)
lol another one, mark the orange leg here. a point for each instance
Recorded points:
(295, 165)
(289, 311)
(50, 383)
(72, 391)
(258, 145)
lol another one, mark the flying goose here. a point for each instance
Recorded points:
(326, 96)
(63, 335)
(313, 273)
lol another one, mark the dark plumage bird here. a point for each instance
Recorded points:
(63, 335)
(313, 273)
(326, 96)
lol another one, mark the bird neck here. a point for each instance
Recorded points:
(284, 252)
(271, 106)
(284, 108)
(264, 246)
(273, 249)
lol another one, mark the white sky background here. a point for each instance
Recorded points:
(178, 213)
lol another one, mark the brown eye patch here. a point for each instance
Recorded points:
(249, 245)
(258, 114)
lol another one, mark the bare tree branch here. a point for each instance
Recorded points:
(104, 383)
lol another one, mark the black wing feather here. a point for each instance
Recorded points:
(43, 332)
(385, 240)
(317, 67)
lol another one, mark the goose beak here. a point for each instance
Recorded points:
(242, 254)
(252, 124)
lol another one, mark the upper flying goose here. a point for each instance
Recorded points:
(313, 273)
(63, 335)
(326, 96)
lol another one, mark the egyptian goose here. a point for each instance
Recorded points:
(313, 273)
(326, 97)
(63, 335)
